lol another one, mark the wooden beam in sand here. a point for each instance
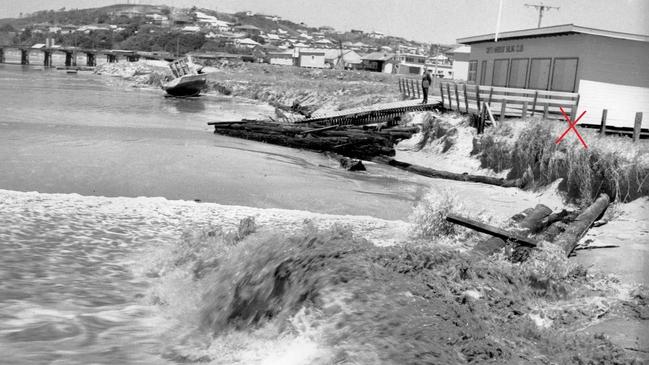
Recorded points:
(490, 230)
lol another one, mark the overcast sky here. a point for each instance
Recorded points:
(423, 20)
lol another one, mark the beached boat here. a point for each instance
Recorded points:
(187, 81)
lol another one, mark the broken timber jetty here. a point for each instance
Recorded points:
(357, 133)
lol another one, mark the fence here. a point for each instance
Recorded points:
(510, 102)
(636, 133)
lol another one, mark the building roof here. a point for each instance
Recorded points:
(379, 56)
(553, 31)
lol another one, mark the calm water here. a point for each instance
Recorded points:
(85, 147)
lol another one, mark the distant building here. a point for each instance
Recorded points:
(377, 35)
(379, 62)
(250, 30)
(356, 31)
(246, 43)
(281, 58)
(311, 58)
(411, 64)
(608, 69)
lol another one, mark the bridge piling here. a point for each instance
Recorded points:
(90, 59)
(47, 58)
(24, 57)
(2, 55)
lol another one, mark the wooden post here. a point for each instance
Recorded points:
(457, 98)
(412, 88)
(477, 96)
(441, 92)
(524, 113)
(536, 95)
(418, 90)
(573, 110)
(637, 126)
(491, 92)
(466, 99)
(602, 128)
(546, 110)
(2, 55)
(503, 107)
(450, 99)
(400, 89)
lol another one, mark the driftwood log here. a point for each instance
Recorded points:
(569, 239)
(428, 172)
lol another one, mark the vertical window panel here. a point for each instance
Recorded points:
(473, 71)
(539, 73)
(483, 72)
(500, 72)
(518, 73)
(564, 74)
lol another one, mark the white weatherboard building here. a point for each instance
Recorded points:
(609, 70)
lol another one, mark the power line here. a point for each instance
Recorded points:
(541, 8)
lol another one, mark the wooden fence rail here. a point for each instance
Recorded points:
(508, 102)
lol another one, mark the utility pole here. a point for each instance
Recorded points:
(541, 8)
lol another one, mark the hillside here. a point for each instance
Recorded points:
(112, 26)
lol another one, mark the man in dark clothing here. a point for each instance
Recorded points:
(426, 81)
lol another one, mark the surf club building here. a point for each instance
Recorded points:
(609, 70)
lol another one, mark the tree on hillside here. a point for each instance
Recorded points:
(6, 28)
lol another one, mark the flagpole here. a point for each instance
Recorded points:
(500, 10)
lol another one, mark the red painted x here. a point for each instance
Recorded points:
(572, 126)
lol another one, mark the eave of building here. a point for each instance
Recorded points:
(557, 30)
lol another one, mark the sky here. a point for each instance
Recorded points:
(430, 21)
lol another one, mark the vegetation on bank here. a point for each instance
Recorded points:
(612, 165)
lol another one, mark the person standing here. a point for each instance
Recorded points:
(426, 81)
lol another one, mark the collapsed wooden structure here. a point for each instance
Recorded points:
(351, 141)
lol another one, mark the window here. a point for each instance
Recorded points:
(473, 71)
(500, 72)
(539, 73)
(564, 74)
(414, 70)
(518, 73)
(410, 59)
(483, 72)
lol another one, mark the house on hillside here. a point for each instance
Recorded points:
(246, 43)
(284, 58)
(356, 31)
(342, 58)
(607, 68)
(313, 58)
(250, 30)
(377, 35)
(379, 62)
